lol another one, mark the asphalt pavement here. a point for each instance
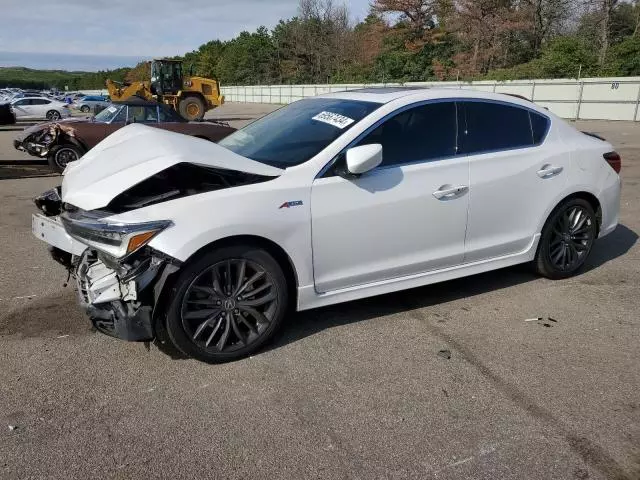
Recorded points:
(449, 381)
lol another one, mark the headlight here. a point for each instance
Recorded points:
(115, 239)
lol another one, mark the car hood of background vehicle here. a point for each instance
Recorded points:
(43, 126)
(137, 152)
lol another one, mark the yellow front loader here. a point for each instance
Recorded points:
(190, 96)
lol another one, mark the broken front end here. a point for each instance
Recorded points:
(106, 225)
(118, 283)
(120, 277)
(42, 140)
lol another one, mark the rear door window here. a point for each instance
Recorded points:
(492, 127)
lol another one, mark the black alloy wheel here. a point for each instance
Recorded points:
(229, 308)
(53, 115)
(567, 239)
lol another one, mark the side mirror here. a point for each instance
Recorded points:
(364, 158)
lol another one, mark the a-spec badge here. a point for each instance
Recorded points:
(295, 203)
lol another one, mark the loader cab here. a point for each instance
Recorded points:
(166, 77)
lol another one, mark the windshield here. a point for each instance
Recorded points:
(108, 114)
(295, 133)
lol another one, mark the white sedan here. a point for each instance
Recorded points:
(38, 108)
(326, 200)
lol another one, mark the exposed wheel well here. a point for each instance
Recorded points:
(192, 94)
(252, 240)
(68, 140)
(273, 248)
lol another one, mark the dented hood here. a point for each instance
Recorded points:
(135, 153)
(38, 127)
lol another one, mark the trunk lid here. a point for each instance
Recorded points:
(137, 152)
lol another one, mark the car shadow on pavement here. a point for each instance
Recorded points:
(614, 245)
(590, 451)
(304, 324)
(25, 169)
(45, 316)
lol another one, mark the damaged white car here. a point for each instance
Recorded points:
(326, 200)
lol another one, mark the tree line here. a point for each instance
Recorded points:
(28, 78)
(419, 40)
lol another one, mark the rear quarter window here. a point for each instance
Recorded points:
(539, 127)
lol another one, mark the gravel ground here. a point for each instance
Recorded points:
(444, 382)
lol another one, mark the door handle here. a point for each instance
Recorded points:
(447, 192)
(548, 171)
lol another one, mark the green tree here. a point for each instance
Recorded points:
(624, 58)
(249, 58)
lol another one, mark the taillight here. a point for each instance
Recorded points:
(613, 159)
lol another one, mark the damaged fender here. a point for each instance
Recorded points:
(41, 141)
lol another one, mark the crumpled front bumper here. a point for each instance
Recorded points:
(118, 296)
(121, 305)
(30, 146)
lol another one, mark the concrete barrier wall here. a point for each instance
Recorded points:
(615, 98)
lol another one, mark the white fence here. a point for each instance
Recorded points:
(586, 99)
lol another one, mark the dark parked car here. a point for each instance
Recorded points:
(67, 140)
(6, 115)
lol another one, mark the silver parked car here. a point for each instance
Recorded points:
(90, 102)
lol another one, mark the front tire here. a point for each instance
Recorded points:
(227, 304)
(191, 108)
(60, 156)
(85, 108)
(566, 240)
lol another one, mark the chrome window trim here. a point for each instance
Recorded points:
(420, 103)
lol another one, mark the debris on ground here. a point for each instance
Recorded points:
(12, 428)
(445, 354)
(540, 319)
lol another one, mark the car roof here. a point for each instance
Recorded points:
(136, 101)
(389, 94)
(33, 98)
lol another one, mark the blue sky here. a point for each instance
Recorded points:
(135, 28)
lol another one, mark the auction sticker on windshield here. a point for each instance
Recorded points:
(335, 119)
(111, 109)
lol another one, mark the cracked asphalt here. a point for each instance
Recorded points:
(446, 382)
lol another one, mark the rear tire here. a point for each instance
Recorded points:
(85, 108)
(214, 314)
(53, 115)
(61, 155)
(191, 108)
(566, 240)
